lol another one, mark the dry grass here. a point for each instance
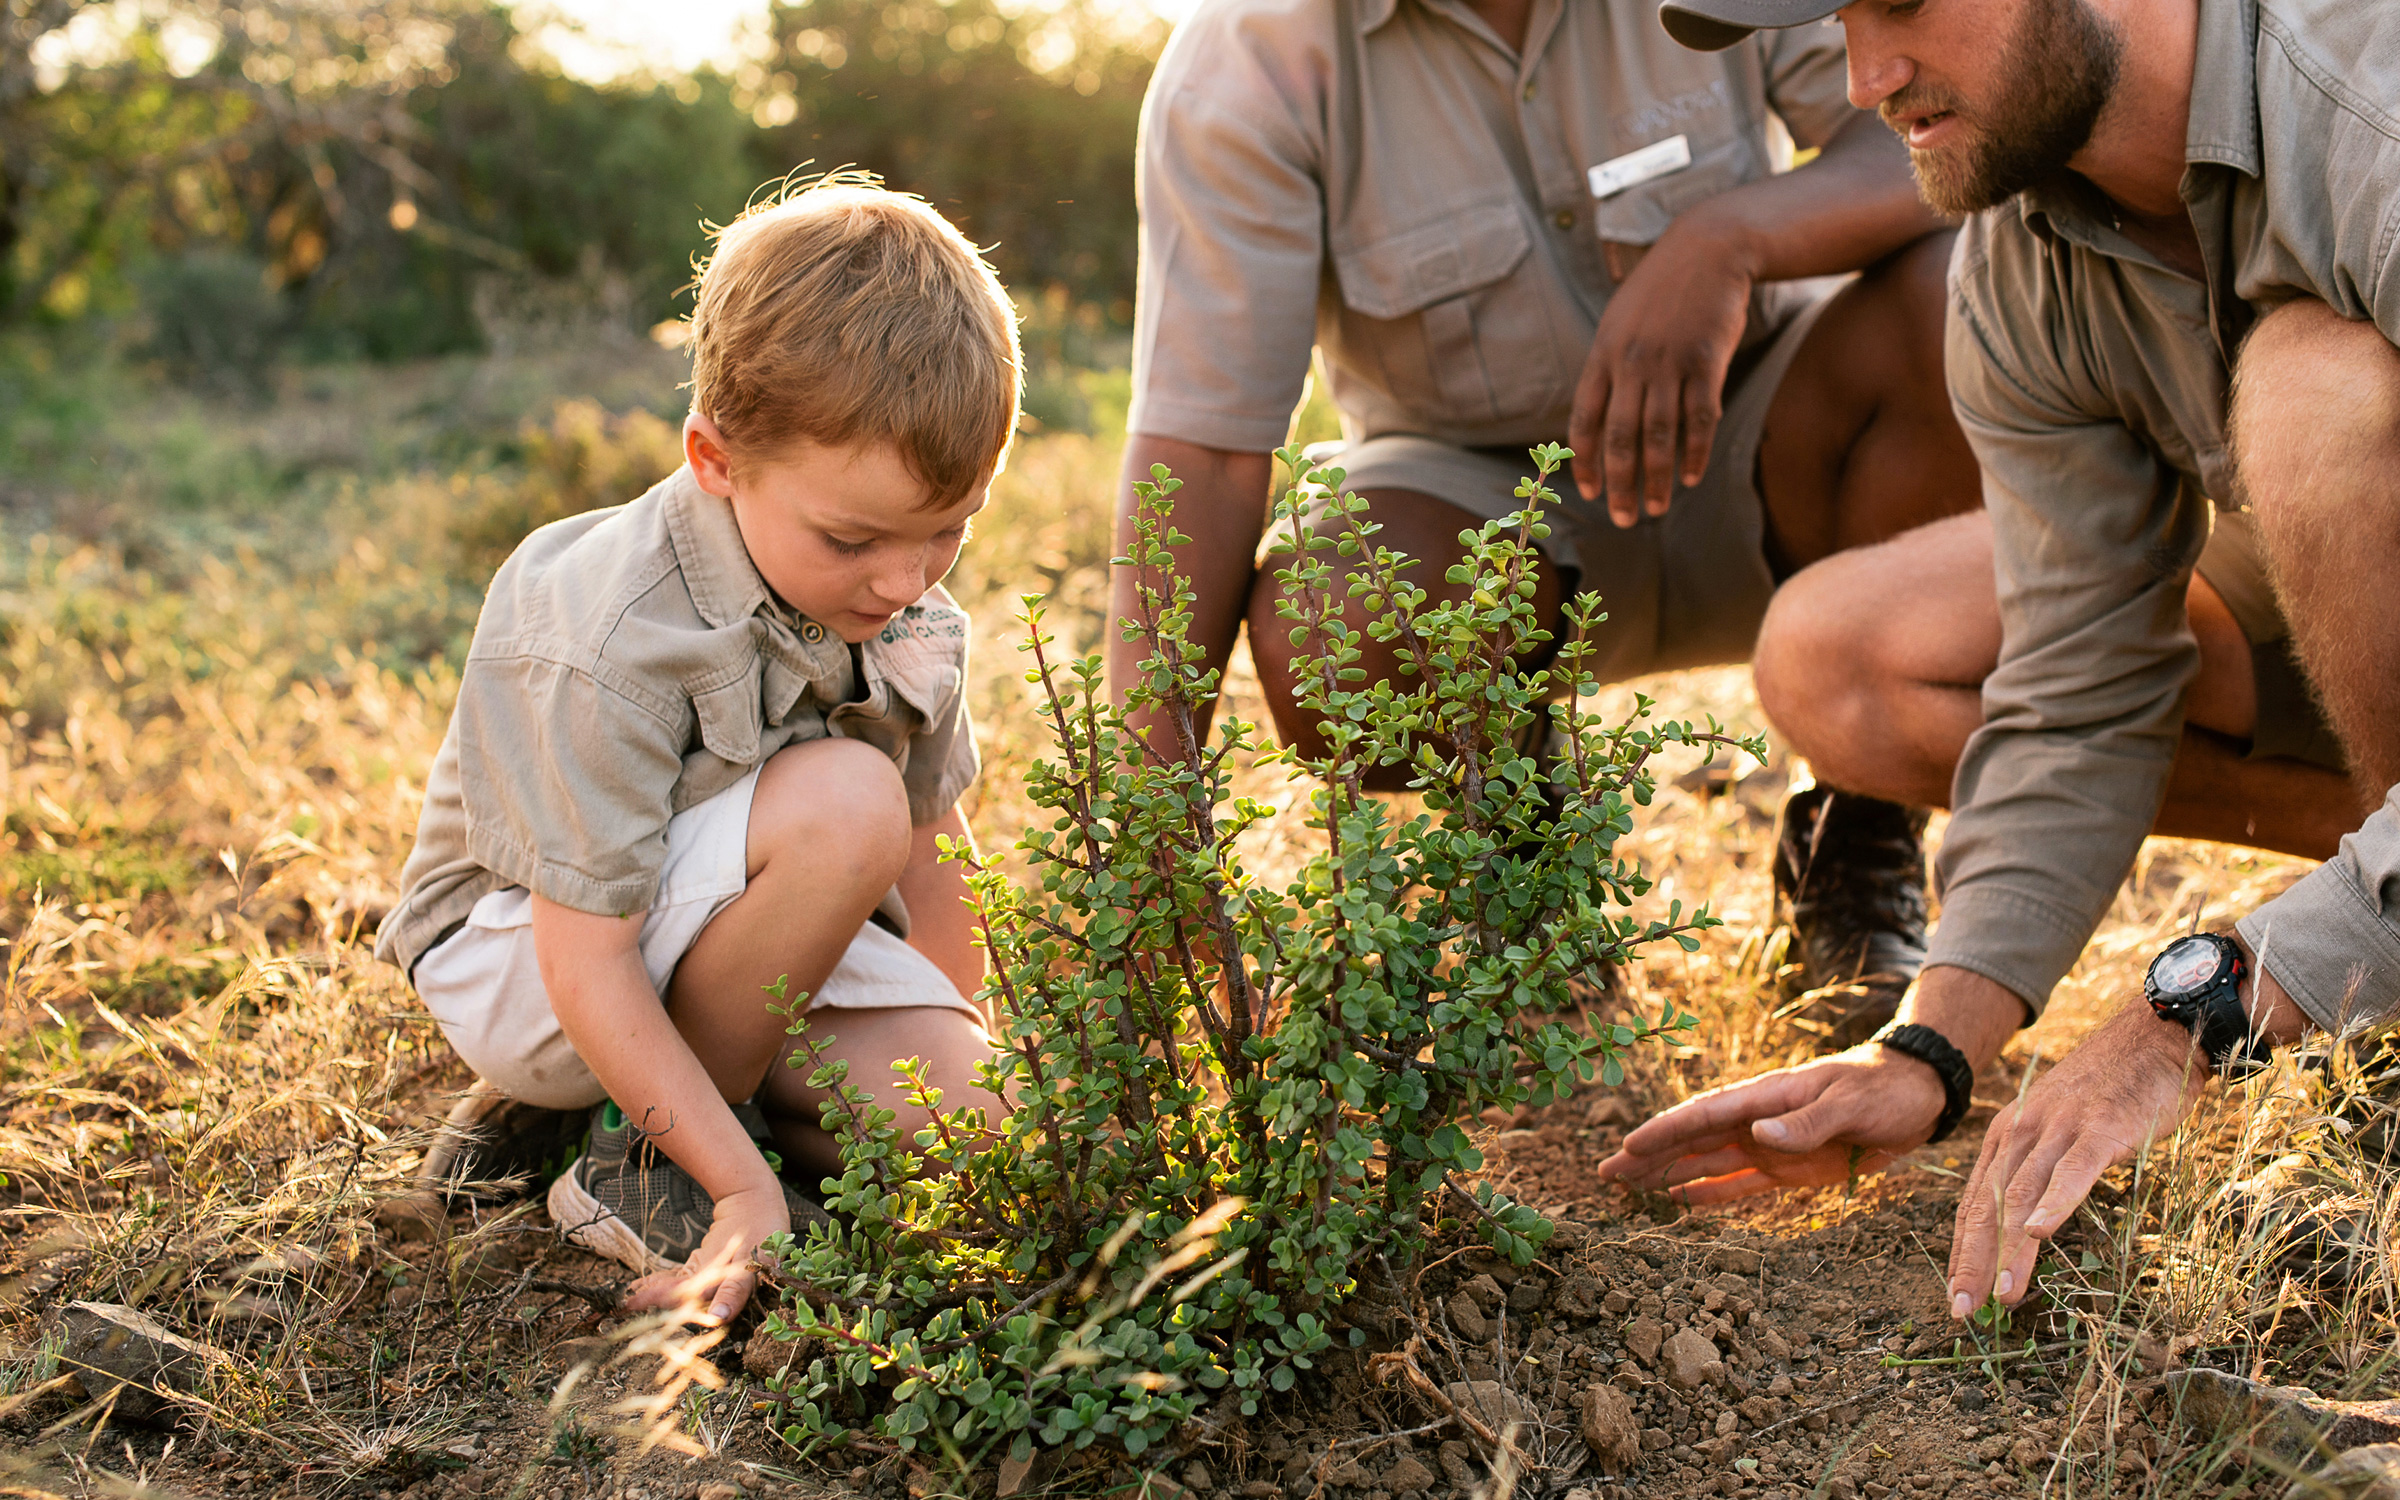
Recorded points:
(211, 741)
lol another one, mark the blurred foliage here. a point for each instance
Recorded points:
(237, 182)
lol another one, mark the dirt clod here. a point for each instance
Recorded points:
(1642, 1339)
(1408, 1472)
(1691, 1361)
(1609, 1428)
(1467, 1317)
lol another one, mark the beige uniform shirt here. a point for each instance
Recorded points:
(2092, 381)
(1387, 180)
(630, 663)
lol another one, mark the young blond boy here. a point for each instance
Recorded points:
(709, 738)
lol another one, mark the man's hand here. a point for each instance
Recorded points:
(1652, 389)
(717, 1281)
(1822, 1122)
(2130, 1083)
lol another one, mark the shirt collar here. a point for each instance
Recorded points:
(725, 584)
(2222, 129)
(1373, 13)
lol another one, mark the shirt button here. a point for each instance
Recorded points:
(1529, 89)
(1565, 218)
(812, 632)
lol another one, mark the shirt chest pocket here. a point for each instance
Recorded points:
(1640, 214)
(730, 723)
(1432, 304)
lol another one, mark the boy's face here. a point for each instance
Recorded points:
(840, 534)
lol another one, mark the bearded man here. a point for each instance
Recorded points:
(1507, 222)
(2182, 287)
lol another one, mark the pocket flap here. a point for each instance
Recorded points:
(1404, 273)
(730, 721)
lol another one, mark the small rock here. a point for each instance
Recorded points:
(2025, 1453)
(1408, 1472)
(111, 1348)
(1758, 1410)
(1691, 1361)
(1875, 1491)
(2368, 1472)
(720, 1490)
(2280, 1419)
(1771, 1342)
(1528, 1295)
(1567, 1237)
(1467, 1317)
(1344, 1469)
(1494, 1404)
(1261, 1489)
(1577, 1296)
(1656, 1439)
(1197, 1476)
(1734, 1258)
(1642, 1339)
(1729, 1422)
(1610, 1429)
(1615, 1303)
(1486, 1292)
(1457, 1467)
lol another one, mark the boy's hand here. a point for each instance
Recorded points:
(717, 1281)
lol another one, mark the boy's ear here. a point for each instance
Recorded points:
(704, 449)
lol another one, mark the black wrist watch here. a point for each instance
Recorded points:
(1933, 1049)
(2196, 982)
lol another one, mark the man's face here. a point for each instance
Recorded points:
(1989, 104)
(840, 534)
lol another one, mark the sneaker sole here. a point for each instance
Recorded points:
(587, 1224)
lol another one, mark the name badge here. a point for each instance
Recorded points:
(1634, 168)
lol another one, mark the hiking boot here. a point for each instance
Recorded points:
(493, 1150)
(625, 1199)
(1850, 883)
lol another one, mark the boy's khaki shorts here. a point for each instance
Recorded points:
(484, 985)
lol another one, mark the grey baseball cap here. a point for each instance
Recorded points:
(1714, 25)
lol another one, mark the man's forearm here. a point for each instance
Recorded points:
(1222, 507)
(1849, 208)
(1976, 1015)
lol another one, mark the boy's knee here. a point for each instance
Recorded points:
(832, 795)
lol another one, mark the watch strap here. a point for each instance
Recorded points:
(1933, 1049)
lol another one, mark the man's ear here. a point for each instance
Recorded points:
(704, 449)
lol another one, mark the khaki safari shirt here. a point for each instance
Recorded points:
(630, 663)
(2092, 381)
(1387, 180)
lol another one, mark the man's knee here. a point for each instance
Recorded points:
(829, 796)
(2315, 419)
(1810, 662)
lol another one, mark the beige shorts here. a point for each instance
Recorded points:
(484, 984)
(1687, 589)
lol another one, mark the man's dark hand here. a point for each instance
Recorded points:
(2130, 1083)
(1652, 390)
(1822, 1122)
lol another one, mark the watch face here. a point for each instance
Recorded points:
(2188, 966)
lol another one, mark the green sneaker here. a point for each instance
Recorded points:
(623, 1198)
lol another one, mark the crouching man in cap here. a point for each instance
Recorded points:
(2171, 345)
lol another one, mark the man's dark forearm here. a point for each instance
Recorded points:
(1222, 507)
(1849, 208)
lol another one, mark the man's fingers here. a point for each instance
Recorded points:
(1702, 407)
(1583, 427)
(1975, 1245)
(1621, 452)
(1728, 1158)
(1662, 421)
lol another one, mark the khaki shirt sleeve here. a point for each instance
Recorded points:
(567, 781)
(1808, 81)
(2093, 541)
(1231, 243)
(2333, 940)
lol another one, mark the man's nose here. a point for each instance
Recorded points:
(1877, 69)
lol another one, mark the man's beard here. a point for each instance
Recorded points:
(2055, 79)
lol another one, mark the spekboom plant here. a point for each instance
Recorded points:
(1231, 1099)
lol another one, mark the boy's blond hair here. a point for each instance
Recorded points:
(839, 312)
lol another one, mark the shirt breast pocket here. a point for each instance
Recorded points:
(731, 723)
(1640, 214)
(1434, 287)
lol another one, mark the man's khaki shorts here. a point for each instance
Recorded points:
(2290, 720)
(483, 983)
(1687, 589)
